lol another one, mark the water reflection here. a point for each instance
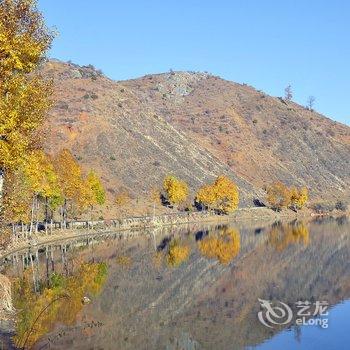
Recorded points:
(223, 245)
(57, 299)
(193, 286)
(282, 236)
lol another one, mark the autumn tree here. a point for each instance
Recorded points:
(24, 94)
(278, 196)
(206, 196)
(93, 192)
(43, 181)
(222, 195)
(227, 194)
(17, 198)
(76, 192)
(298, 197)
(96, 187)
(176, 190)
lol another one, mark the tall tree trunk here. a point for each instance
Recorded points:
(2, 180)
(32, 216)
(46, 210)
(65, 214)
(37, 207)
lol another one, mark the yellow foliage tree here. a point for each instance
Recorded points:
(24, 38)
(175, 189)
(18, 198)
(298, 197)
(24, 94)
(76, 191)
(41, 175)
(95, 184)
(206, 196)
(43, 180)
(224, 246)
(278, 196)
(226, 194)
(222, 195)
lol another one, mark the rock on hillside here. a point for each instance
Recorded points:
(196, 126)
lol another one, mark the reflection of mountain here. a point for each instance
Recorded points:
(319, 271)
(203, 304)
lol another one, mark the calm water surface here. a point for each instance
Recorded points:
(193, 287)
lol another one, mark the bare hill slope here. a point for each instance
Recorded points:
(196, 126)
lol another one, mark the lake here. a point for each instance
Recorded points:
(251, 286)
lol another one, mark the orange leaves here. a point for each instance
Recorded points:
(206, 195)
(88, 279)
(282, 236)
(221, 195)
(69, 173)
(96, 187)
(177, 254)
(24, 38)
(224, 247)
(176, 190)
(83, 192)
(280, 196)
(226, 193)
(17, 198)
(25, 97)
(41, 175)
(299, 197)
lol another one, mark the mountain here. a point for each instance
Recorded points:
(196, 126)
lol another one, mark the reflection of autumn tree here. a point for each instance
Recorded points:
(177, 254)
(89, 279)
(224, 246)
(282, 236)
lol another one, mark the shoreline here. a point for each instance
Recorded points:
(132, 226)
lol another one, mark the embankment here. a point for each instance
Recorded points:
(129, 226)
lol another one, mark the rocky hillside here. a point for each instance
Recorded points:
(196, 126)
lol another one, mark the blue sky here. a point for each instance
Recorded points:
(267, 44)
